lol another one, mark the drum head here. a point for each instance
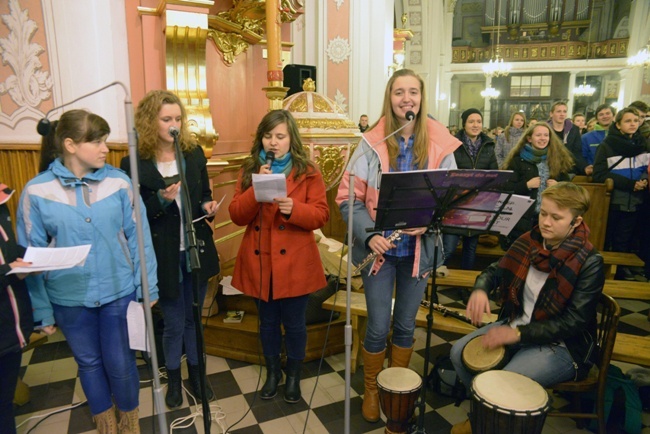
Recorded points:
(399, 379)
(478, 358)
(509, 391)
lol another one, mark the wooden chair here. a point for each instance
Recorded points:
(595, 382)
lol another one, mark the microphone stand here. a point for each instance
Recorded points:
(347, 330)
(195, 265)
(159, 403)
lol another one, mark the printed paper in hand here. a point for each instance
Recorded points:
(53, 258)
(268, 187)
(136, 326)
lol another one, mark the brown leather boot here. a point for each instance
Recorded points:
(129, 422)
(372, 364)
(399, 356)
(106, 421)
(462, 428)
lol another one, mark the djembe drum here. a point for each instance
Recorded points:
(507, 402)
(477, 358)
(399, 388)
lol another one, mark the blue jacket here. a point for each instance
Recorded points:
(590, 142)
(59, 210)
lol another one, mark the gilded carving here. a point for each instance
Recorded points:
(331, 160)
(320, 104)
(324, 124)
(533, 52)
(230, 45)
(299, 104)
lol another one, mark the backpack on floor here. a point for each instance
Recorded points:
(444, 380)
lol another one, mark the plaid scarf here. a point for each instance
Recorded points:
(563, 265)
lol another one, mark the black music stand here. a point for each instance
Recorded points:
(464, 202)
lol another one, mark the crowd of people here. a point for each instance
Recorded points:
(547, 316)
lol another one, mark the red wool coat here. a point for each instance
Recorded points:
(287, 247)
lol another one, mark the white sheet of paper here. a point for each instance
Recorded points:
(268, 187)
(518, 205)
(204, 216)
(53, 258)
(136, 325)
(227, 288)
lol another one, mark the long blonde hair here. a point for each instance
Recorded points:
(559, 158)
(391, 123)
(512, 118)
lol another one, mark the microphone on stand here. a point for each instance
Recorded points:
(43, 127)
(174, 132)
(270, 158)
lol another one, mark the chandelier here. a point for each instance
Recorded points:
(641, 58)
(490, 93)
(586, 89)
(496, 67)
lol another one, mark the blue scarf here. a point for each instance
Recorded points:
(283, 164)
(533, 155)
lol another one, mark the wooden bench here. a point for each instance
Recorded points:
(632, 349)
(359, 315)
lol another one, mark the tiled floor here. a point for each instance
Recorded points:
(51, 373)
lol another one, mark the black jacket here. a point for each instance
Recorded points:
(165, 222)
(576, 325)
(486, 159)
(10, 284)
(524, 171)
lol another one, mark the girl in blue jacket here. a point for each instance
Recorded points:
(82, 200)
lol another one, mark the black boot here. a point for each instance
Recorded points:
(292, 386)
(273, 378)
(195, 384)
(174, 396)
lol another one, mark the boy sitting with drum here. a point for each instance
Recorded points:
(549, 283)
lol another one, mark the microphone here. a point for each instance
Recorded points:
(43, 127)
(270, 157)
(410, 115)
(174, 132)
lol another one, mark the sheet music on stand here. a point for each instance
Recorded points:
(465, 202)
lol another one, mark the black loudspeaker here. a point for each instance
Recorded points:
(295, 75)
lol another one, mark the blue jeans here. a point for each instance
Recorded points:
(99, 341)
(394, 273)
(546, 364)
(449, 244)
(178, 315)
(291, 313)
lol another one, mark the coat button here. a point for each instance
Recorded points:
(281, 227)
(257, 228)
(282, 252)
(257, 252)
(87, 219)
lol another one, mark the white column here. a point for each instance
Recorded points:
(487, 105)
(572, 83)
(639, 36)
(371, 38)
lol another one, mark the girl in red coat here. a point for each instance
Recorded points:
(278, 261)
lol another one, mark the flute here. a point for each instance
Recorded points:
(371, 257)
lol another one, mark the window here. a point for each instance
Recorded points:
(530, 85)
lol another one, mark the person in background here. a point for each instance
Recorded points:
(363, 123)
(477, 152)
(538, 161)
(644, 120)
(591, 140)
(278, 261)
(401, 265)
(16, 320)
(81, 200)
(623, 156)
(549, 283)
(580, 122)
(156, 113)
(591, 123)
(568, 134)
(532, 122)
(510, 137)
